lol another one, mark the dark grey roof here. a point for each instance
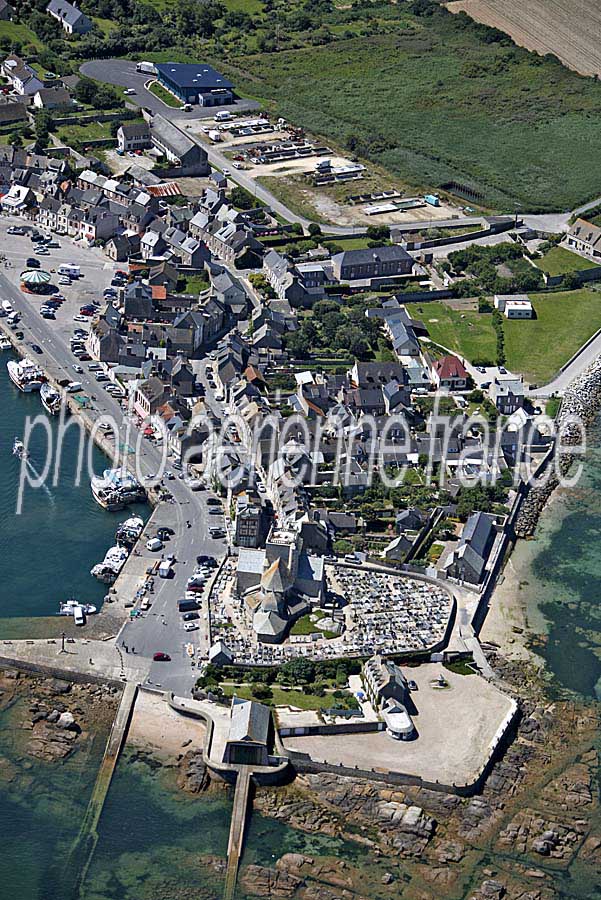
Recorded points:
(477, 532)
(65, 11)
(362, 257)
(135, 129)
(199, 76)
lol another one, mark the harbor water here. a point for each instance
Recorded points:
(47, 551)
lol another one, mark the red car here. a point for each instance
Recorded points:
(161, 657)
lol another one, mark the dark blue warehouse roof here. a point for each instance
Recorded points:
(193, 75)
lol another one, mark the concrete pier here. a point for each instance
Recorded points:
(237, 825)
(84, 846)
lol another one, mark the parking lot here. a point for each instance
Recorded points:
(122, 73)
(456, 727)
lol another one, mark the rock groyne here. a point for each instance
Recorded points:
(580, 405)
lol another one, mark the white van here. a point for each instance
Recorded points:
(13, 318)
(74, 386)
(223, 116)
(154, 544)
(69, 269)
(7, 307)
(78, 615)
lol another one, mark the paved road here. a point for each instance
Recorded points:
(148, 634)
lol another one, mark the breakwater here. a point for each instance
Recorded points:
(579, 407)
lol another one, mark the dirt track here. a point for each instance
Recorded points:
(571, 29)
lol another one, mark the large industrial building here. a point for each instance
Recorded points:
(195, 83)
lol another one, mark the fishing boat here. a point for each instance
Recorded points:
(19, 449)
(108, 570)
(51, 399)
(129, 531)
(116, 489)
(67, 608)
(25, 375)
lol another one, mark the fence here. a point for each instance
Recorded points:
(583, 276)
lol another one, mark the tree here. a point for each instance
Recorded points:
(297, 671)
(342, 547)
(298, 344)
(315, 230)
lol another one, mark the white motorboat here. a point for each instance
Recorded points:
(19, 449)
(108, 570)
(116, 489)
(67, 608)
(51, 399)
(25, 375)
(129, 531)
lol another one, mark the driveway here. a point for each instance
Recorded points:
(122, 73)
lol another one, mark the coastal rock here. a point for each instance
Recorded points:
(193, 775)
(49, 743)
(57, 686)
(264, 882)
(293, 861)
(66, 720)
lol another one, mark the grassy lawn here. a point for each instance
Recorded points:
(79, 134)
(194, 284)
(470, 334)
(565, 320)
(163, 94)
(559, 261)
(431, 100)
(105, 25)
(18, 32)
(282, 697)
(304, 625)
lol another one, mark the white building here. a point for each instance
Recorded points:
(514, 306)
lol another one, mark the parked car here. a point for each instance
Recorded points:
(65, 281)
(191, 626)
(36, 348)
(15, 229)
(190, 617)
(32, 263)
(77, 369)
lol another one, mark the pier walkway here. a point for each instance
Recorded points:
(237, 825)
(84, 846)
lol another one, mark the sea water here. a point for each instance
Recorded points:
(47, 551)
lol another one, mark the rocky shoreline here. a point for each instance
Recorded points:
(580, 404)
(55, 716)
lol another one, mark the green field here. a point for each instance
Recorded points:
(564, 321)
(163, 94)
(468, 333)
(283, 698)
(559, 261)
(435, 102)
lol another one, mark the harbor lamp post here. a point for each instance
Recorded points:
(62, 649)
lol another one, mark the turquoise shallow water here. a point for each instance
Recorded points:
(46, 553)
(561, 579)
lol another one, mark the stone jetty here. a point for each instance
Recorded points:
(580, 405)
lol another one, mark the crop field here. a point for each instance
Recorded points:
(570, 29)
(434, 99)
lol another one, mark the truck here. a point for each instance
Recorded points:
(147, 68)
(214, 136)
(223, 116)
(69, 269)
(165, 568)
(432, 200)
